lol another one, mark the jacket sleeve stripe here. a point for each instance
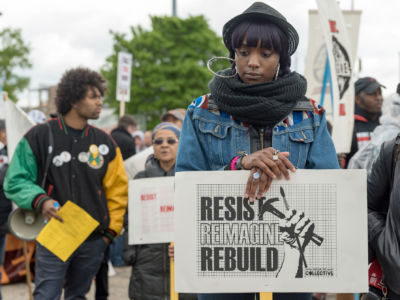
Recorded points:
(115, 185)
(20, 183)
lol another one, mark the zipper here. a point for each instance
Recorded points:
(262, 138)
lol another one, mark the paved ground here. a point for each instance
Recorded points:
(118, 287)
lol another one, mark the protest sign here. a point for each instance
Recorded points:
(224, 243)
(124, 77)
(151, 210)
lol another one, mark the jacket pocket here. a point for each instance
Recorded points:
(217, 137)
(299, 145)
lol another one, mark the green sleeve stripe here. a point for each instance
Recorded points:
(20, 182)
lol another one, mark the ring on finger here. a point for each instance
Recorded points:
(275, 156)
(256, 175)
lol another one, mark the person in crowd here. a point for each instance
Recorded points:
(37, 116)
(388, 130)
(368, 105)
(5, 204)
(175, 116)
(123, 136)
(147, 139)
(256, 113)
(85, 167)
(384, 222)
(138, 137)
(150, 262)
(3, 143)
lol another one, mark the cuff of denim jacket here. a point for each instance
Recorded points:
(38, 201)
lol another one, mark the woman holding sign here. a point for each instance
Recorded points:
(150, 262)
(256, 116)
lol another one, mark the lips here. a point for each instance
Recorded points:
(252, 76)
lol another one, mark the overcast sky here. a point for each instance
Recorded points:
(65, 34)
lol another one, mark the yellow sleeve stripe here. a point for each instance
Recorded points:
(115, 185)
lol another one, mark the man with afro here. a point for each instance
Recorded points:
(68, 159)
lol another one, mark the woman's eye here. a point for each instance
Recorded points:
(267, 54)
(242, 52)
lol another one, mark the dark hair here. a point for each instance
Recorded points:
(74, 85)
(126, 121)
(272, 37)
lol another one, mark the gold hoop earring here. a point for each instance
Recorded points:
(277, 72)
(213, 59)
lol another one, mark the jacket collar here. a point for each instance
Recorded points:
(63, 126)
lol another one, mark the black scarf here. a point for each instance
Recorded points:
(261, 104)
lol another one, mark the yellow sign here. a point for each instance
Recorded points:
(62, 239)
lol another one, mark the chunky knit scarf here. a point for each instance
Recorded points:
(262, 104)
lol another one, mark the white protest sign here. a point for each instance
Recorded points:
(124, 76)
(17, 124)
(151, 210)
(136, 163)
(223, 243)
(341, 72)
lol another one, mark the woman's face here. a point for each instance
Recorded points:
(256, 64)
(165, 144)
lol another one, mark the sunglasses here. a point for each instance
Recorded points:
(160, 141)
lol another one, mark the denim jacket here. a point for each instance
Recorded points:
(210, 140)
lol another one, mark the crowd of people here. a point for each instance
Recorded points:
(246, 122)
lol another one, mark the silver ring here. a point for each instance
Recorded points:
(275, 156)
(256, 175)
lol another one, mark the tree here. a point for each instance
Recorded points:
(169, 67)
(13, 55)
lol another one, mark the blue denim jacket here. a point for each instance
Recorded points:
(208, 140)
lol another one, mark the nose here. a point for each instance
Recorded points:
(253, 61)
(100, 100)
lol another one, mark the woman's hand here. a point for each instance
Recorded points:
(49, 210)
(269, 164)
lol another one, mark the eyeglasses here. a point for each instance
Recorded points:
(160, 141)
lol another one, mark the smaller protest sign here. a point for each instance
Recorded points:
(151, 210)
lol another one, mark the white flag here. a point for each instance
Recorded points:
(17, 124)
